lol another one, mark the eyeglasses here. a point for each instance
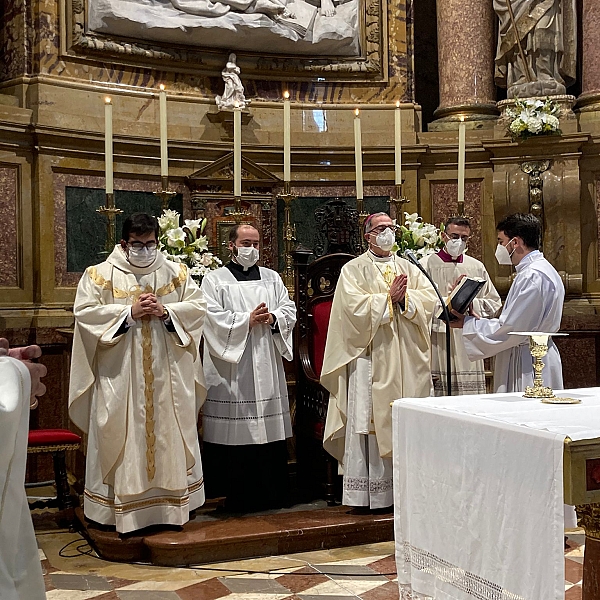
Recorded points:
(455, 236)
(151, 245)
(382, 228)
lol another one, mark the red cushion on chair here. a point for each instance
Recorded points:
(321, 314)
(48, 437)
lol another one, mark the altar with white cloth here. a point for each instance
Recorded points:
(479, 491)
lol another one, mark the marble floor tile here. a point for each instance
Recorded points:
(297, 583)
(73, 594)
(66, 581)
(259, 596)
(163, 586)
(327, 588)
(309, 597)
(205, 590)
(388, 591)
(146, 595)
(247, 585)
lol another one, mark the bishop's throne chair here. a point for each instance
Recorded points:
(337, 241)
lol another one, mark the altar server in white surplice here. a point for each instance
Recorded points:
(246, 418)
(137, 383)
(445, 268)
(377, 350)
(534, 303)
(20, 569)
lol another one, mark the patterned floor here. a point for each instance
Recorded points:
(367, 572)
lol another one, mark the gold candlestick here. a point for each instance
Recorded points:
(238, 213)
(398, 203)
(289, 237)
(164, 194)
(110, 212)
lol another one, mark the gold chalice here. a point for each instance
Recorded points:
(538, 346)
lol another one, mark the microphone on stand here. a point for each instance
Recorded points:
(411, 257)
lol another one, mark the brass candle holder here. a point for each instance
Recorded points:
(538, 346)
(289, 237)
(164, 194)
(110, 212)
(398, 202)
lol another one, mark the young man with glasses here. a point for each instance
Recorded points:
(377, 350)
(446, 267)
(137, 383)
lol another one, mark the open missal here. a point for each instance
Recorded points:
(462, 295)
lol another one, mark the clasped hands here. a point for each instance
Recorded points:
(36, 370)
(261, 316)
(398, 288)
(147, 304)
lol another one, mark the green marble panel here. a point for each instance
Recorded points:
(303, 216)
(86, 229)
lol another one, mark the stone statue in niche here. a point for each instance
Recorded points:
(233, 95)
(536, 46)
(320, 28)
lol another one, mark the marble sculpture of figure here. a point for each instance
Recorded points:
(542, 61)
(233, 94)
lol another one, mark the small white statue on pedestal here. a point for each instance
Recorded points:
(233, 95)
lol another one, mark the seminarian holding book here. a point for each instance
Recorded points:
(534, 304)
(449, 268)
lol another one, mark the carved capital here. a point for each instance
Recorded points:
(588, 517)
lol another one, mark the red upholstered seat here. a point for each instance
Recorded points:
(49, 437)
(321, 313)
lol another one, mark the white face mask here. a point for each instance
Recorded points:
(503, 255)
(246, 256)
(141, 258)
(385, 240)
(455, 247)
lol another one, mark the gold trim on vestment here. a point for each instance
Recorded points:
(149, 395)
(175, 282)
(125, 507)
(52, 448)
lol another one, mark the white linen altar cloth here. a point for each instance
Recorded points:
(478, 491)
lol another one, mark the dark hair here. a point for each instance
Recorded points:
(233, 232)
(460, 221)
(139, 224)
(527, 227)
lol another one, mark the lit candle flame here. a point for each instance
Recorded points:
(108, 100)
(286, 95)
(356, 112)
(162, 87)
(462, 118)
(397, 103)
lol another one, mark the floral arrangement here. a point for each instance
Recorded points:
(533, 117)
(186, 244)
(422, 238)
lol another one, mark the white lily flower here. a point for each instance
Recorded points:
(193, 225)
(176, 237)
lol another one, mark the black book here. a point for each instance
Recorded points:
(462, 295)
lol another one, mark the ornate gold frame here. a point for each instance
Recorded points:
(371, 66)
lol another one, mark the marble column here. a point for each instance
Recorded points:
(466, 60)
(590, 85)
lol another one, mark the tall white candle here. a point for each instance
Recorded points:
(358, 155)
(398, 144)
(164, 156)
(462, 129)
(287, 133)
(237, 152)
(108, 145)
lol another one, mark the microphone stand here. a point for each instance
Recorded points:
(410, 256)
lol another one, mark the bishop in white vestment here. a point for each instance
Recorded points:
(20, 569)
(246, 417)
(137, 384)
(445, 268)
(534, 303)
(377, 350)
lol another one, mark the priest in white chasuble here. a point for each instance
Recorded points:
(20, 569)
(137, 383)
(534, 303)
(246, 418)
(446, 267)
(377, 350)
